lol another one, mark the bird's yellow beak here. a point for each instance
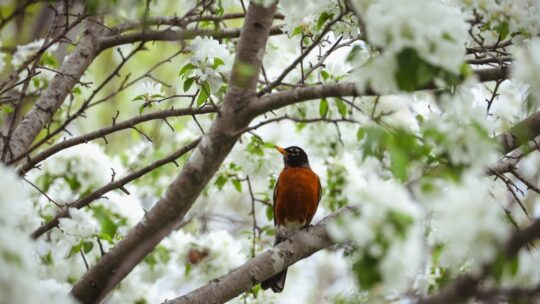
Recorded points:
(281, 150)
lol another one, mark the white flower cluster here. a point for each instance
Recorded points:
(212, 60)
(437, 33)
(19, 275)
(521, 16)
(388, 227)
(82, 167)
(186, 261)
(473, 204)
(466, 132)
(527, 67)
(25, 51)
(149, 90)
(305, 13)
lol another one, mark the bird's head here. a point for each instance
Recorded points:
(294, 156)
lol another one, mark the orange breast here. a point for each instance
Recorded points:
(297, 196)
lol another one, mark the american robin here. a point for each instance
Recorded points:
(296, 198)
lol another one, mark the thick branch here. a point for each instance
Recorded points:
(280, 99)
(201, 166)
(301, 245)
(170, 35)
(63, 82)
(521, 133)
(118, 184)
(127, 124)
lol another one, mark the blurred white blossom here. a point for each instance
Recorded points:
(388, 227)
(25, 51)
(471, 205)
(152, 88)
(466, 132)
(19, 275)
(527, 67)
(521, 16)
(436, 32)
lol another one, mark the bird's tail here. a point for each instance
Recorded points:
(277, 282)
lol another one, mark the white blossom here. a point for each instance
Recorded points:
(25, 51)
(387, 212)
(151, 88)
(19, 278)
(465, 132)
(437, 33)
(206, 54)
(527, 67)
(468, 205)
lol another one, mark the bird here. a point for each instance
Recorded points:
(296, 197)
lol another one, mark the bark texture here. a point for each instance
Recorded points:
(63, 82)
(197, 171)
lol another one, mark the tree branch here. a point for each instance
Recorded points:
(85, 201)
(198, 170)
(280, 99)
(171, 35)
(299, 246)
(33, 161)
(53, 97)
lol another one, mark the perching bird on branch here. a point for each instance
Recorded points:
(296, 198)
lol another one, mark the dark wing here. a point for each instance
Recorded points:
(320, 191)
(274, 199)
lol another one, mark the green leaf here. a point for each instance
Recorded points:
(140, 97)
(49, 59)
(513, 266)
(107, 221)
(237, 185)
(75, 249)
(106, 237)
(92, 6)
(188, 269)
(217, 63)
(366, 271)
(322, 19)
(401, 221)
(7, 109)
(296, 31)
(354, 51)
(342, 108)
(269, 213)
(188, 83)
(204, 93)
(87, 246)
(360, 134)
(399, 163)
(47, 259)
(413, 72)
(497, 267)
(503, 29)
(323, 107)
(325, 74)
(221, 180)
(187, 68)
